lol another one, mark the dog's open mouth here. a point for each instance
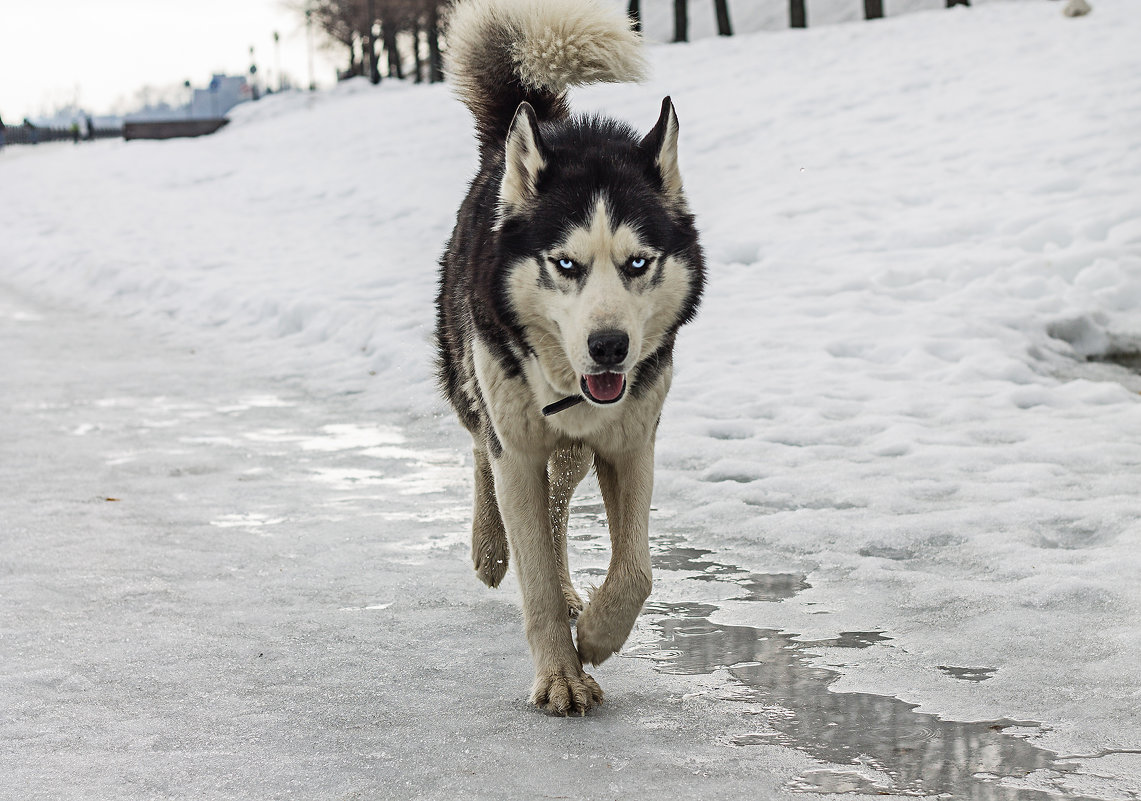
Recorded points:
(604, 387)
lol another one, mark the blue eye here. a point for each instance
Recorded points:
(566, 264)
(569, 266)
(637, 265)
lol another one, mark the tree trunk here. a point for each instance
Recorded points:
(681, 20)
(419, 62)
(797, 17)
(635, 13)
(724, 27)
(372, 60)
(873, 9)
(370, 41)
(395, 70)
(435, 66)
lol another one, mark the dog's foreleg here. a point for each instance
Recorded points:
(489, 552)
(523, 491)
(627, 482)
(566, 469)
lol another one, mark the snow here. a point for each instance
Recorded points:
(919, 229)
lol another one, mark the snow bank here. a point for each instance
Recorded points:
(919, 230)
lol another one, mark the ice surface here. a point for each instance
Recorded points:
(909, 383)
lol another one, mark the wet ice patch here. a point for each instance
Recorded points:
(975, 674)
(349, 436)
(251, 521)
(839, 781)
(745, 585)
(921, 754)
(210, 439)
(369, 608)
(407, 472)
(894, 749)
(345, 478)
(248, 402)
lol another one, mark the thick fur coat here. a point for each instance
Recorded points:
(572, 265)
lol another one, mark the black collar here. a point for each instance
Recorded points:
(565, 403)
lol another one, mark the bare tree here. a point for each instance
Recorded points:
(724, 27)
(369, 39)
(343, 22)
(681, 20)
(378, 30)
(417, 59)
(432, 30)
(634, 12)
(797, 16)
(391, 19)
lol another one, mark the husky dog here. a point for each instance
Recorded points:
(573, 262)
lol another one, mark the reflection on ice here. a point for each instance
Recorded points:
(756, 586)
(922, 754)
(968, 673)
(899, 751)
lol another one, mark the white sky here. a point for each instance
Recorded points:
(106, 50)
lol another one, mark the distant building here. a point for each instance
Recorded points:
(224, 92)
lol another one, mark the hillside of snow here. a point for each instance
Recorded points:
(924, 247)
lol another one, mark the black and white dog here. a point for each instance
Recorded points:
(572, 265)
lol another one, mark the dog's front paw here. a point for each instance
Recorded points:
(489, 554)
(565, 691)
(606, 623)
(574, 602)
(597, 639)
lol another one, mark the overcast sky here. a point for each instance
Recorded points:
(103, 51)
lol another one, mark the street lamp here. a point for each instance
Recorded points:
(253, 75)
(277, 58)
(309, 43)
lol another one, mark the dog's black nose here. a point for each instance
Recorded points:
(608, 347)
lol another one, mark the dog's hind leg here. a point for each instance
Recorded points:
(566, 469)
(489, 550)
(627, 482)
(561, 686)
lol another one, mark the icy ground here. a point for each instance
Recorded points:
(899, 465)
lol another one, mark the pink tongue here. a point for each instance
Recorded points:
(605, 386)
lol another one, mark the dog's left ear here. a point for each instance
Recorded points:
(660, 145)
(524, 159)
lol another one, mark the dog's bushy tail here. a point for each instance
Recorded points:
(504, 52)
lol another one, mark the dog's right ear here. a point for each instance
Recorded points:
(660, 145)
(525, 159)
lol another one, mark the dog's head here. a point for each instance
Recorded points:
(600, 254)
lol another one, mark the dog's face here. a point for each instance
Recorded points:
(603, 260)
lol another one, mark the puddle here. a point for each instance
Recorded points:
(968, 673)
(753, 586)
(900, 751)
